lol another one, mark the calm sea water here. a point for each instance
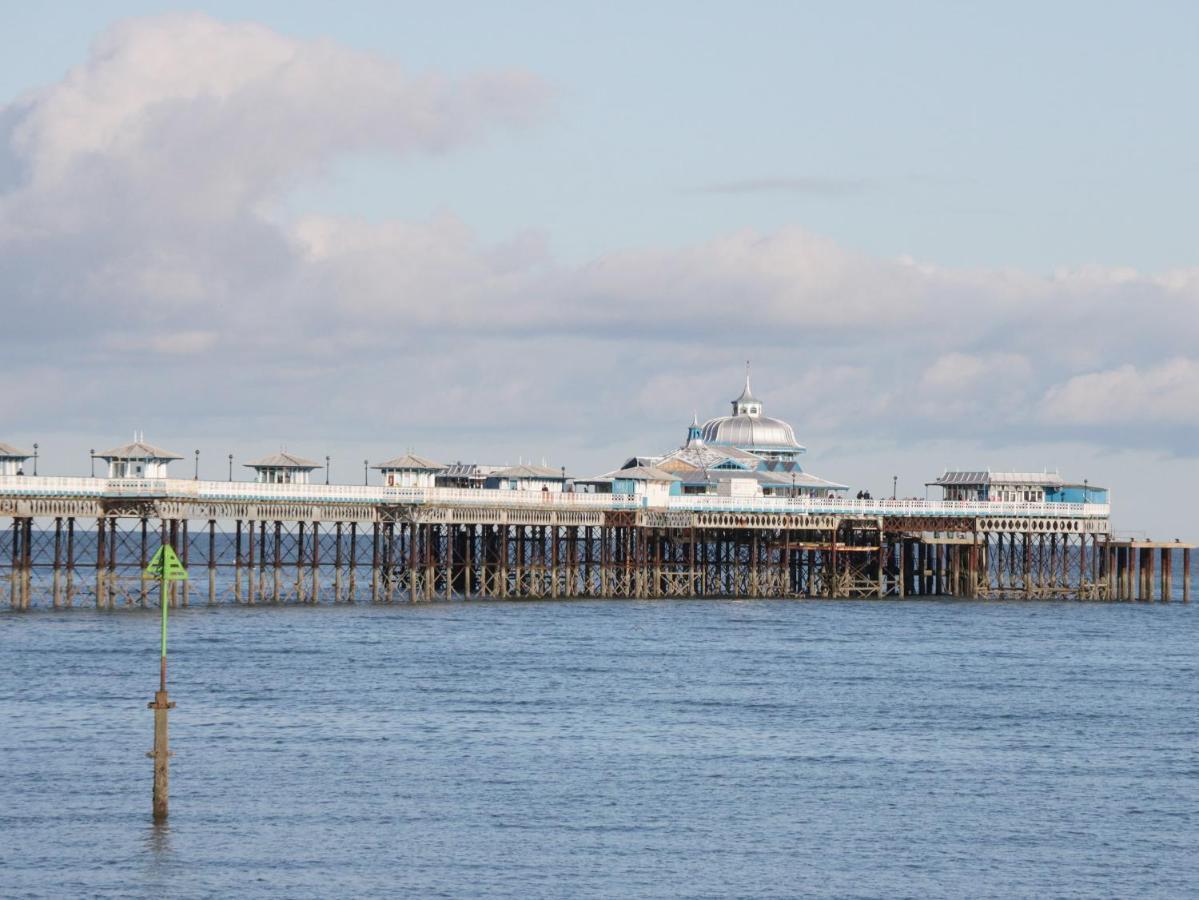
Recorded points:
(608, 749)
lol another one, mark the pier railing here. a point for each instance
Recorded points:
(183, 489)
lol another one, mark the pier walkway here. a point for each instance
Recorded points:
(65, 541)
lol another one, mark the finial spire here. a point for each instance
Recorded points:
(747, 403)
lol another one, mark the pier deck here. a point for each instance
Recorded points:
(66, 541)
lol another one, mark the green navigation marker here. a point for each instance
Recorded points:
(165, 567)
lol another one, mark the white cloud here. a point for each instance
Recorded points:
(142, 219)
(1165, 394)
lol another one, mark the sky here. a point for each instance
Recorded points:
(946, 234)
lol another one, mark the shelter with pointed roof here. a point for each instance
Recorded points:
(137, 460)
(12, 460)
(638, 481)
(527, 477)
(410, 470)
(283, 468)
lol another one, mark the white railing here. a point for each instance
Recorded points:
(53, 486)
(889, 507)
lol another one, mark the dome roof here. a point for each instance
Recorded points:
(751, 433)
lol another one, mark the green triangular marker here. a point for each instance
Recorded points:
(166, 565)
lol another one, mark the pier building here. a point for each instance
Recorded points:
(283, 468)
(749, 430)
(12, 460)
(527, 477)
(746, 453)
(654, 484)
(465, 476)
(138, 460)
(1016, 487)
(410, 470)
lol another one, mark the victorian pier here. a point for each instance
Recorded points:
(72, 541)
(728, 513)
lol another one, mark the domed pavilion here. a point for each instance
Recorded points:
(748, 430)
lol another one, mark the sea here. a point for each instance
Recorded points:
(607, 749)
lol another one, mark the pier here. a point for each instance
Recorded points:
(87, 541)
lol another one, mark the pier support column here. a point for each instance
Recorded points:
(143, 562)
(56, 587)
(251, 592)
(70, 589)
(278, 562)
(375, 562)
(185, 556)
(101, 556)
(211, 561)
(315, 587)
(351, 592)
(15, 580)
(337, 563)
(237, 562)
(1186, 575)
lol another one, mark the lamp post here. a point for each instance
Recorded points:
(564, 479)
(365, 472)
(230, 466)
(196, 476)
(93, 454)
(792, 484)
(35, 460)
(1086, 488)
(326, 469)
(894, 486)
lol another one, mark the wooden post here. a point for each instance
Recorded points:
(161, 706)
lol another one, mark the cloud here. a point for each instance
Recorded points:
(226, 115)
(1165, 394)
(141, 225)
(142, 189)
